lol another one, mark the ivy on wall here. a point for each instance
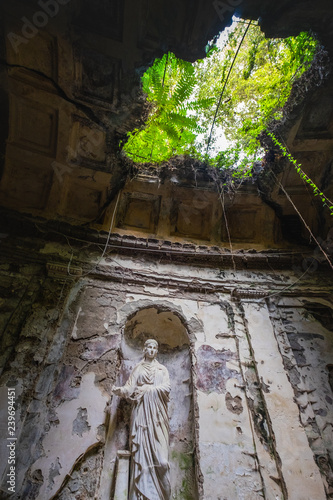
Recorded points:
(316, 191)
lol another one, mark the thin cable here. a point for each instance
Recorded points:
(163, 81)
(302, 219)
(227, 227)
(287, 287)
(165, 67)
(111, 225)
(104, 249)
(225, 84)
(107, 240)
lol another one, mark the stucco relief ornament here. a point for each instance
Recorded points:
(148, 387)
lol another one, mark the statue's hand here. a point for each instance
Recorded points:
(143, 389)
(117, 391)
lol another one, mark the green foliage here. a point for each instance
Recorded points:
(172, 126)
(317, 192)
(258, 86)
(183, 99)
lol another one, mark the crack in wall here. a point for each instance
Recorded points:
(259, 412)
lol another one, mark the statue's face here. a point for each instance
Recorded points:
(151, 350)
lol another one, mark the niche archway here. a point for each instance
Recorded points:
(156, 322)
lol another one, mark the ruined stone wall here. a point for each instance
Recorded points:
(250, 365)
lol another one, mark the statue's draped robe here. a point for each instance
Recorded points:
(148, 387)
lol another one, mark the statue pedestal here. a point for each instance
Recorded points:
(122, 479)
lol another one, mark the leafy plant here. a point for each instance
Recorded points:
(172, 126)
(184, 96)
(317, 192)
(258, 85)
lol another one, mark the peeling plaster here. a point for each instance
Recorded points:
(212, 371)
(61, 446)
(298, 470)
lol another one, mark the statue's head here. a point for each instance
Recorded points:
(150, 348)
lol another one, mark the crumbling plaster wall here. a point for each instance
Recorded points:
(303, 329)
(261, 394)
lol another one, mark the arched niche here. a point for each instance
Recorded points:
(157, 322)
(168, 327)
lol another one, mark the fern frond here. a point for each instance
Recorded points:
(184, 122)
(184, 88)
(171, 130)
(201, 104)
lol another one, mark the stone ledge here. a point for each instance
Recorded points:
(27, 235)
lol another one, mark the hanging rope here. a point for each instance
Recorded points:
(163, 81)
(302, 219)
(225, 84)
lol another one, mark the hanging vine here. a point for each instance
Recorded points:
(298, 167)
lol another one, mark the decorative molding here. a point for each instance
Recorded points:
(218, 257)
(25, 186)
(139, 211)
(55, 270)
(81, 199)
(34, 126)
(244, 293)
(41, 54)
(97, 78)
(242, 224)
(87, 145)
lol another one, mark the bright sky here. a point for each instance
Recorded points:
(221, 141)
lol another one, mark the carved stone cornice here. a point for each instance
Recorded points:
(56, 270)
(249, 294)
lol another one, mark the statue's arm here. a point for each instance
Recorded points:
(165, 386)
(128, 389)
(118, 391)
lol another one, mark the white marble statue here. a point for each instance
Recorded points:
(148, 387)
